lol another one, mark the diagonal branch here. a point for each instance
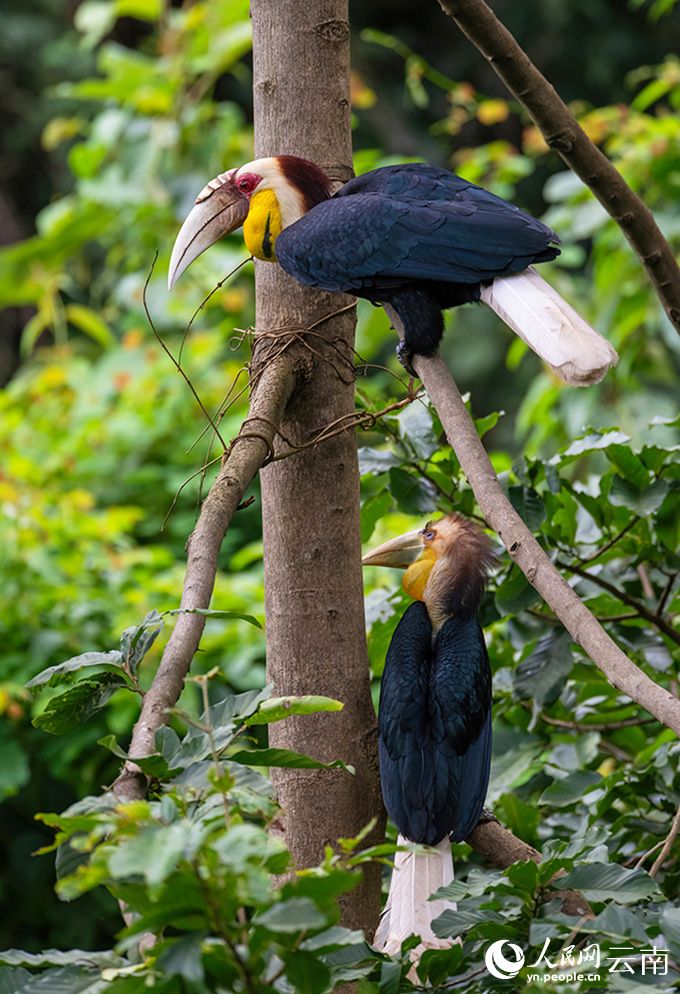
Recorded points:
(245, 456)
(583, 627)
(563, 134)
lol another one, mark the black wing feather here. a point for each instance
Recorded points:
(411, 222)
(435, 727)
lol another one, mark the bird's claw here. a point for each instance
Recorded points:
(486, 816)
(404, 355)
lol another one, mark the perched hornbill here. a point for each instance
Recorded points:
(434, 718)
(414, 237)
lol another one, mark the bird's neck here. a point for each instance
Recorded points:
(263, 225)
(449, 588)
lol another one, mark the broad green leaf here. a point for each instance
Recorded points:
(60, 957)
(629, 465)
(154, 765)
(542, 674)
(643, 502)
(570, 789)
(155, 851)
(390, 977)
(515, 593)
(415, 427)
(15, 770)
(183, 957)
(284, 758)
(376, 461)
(528, 505)
(591, 442)
(214, 613)
(79, 703)
(334, 937)
(307, 973)
(609, 881)
(277, 708)
(136, 641)
(372, 510)
(89, 322)
(66, 672)
(413, 493)
(294, 915)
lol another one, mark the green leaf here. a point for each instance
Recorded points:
(294, 915)
(15, 769)
(515, 593)
(154, 765)
(372, 510)
(307, 974)
(376, 461)
(277, 708)
(155, 851)
(136, 641)
(528, 505)
(542, 674)
(617, 922)
(415, 427)
(65, 672)
(334, 937)
(608, 881)
(284, 758)
(60, 957)
(591, 442)
(183, 957)
(89, 322)
(624, 494)
(390, 977)
(79, 703)
(629, 465)
(570, 789)
(213, 613)
(413, 494)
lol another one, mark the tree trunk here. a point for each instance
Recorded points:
(310, 500)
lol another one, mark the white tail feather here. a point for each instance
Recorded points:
(551, 327)
(408, 911)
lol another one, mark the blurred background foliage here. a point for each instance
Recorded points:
(115, 113)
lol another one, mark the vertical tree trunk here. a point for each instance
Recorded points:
(313, 582)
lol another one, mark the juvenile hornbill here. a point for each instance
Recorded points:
(411, 236)
(434, 717)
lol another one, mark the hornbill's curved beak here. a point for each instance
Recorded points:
(399, 552)
(220, 208)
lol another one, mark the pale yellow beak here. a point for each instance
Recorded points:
(399, 552)
(220, 208)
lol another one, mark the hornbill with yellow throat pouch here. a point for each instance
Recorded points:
(434, 717)
(411, 236)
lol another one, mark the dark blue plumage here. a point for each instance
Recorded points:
(434, 724)
(415, 237)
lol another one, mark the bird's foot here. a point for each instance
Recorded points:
(486, 816)
(405, 356)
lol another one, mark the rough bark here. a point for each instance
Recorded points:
(248, 451)
(564, 134)
(313, 581)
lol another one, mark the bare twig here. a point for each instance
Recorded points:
(667, 846)
(246, 454)
(563, 134)
(528, 554)
(640, 608)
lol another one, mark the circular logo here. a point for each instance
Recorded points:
(498, 964)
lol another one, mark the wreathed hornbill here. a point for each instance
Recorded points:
(434, 717)
(412, 236)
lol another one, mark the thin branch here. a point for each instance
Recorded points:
(501, 848)
(584, 726)
(640, 608)
(563, 134)
(667, 846)
(617, 538)
(245, 455)
(528, 554)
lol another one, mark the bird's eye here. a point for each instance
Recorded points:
(246, 183)
(428, 536)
